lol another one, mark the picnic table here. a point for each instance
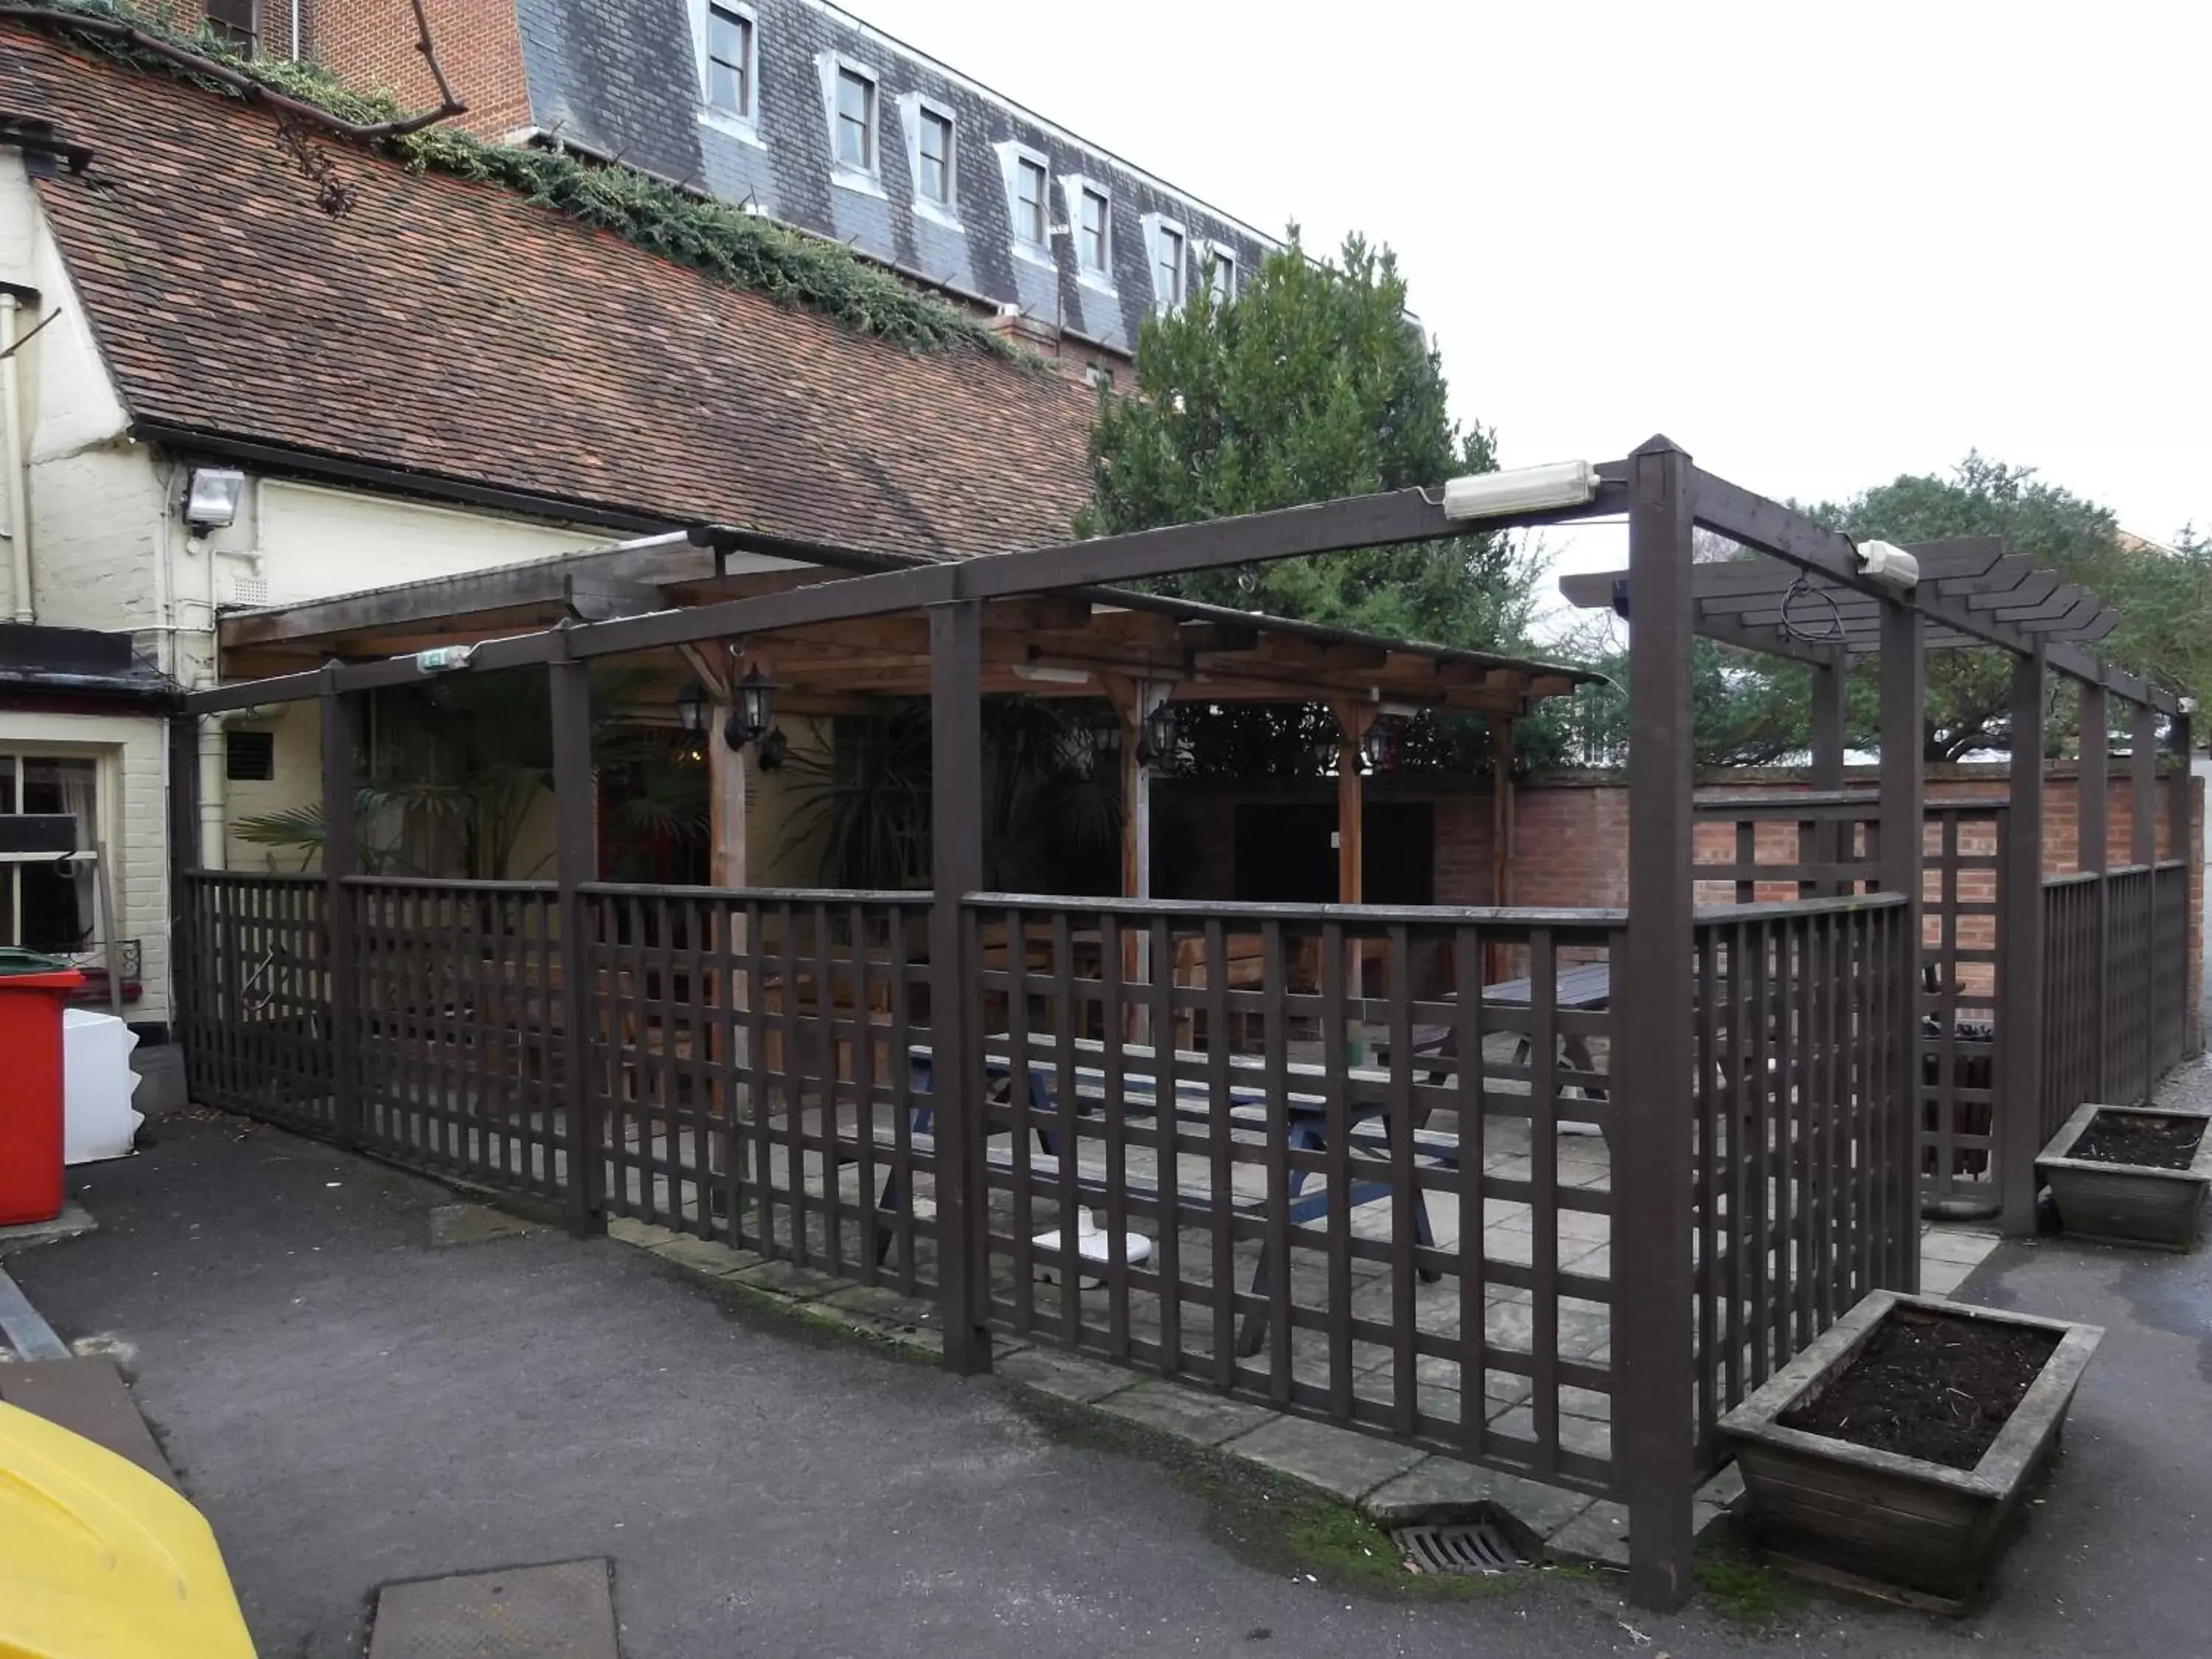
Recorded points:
(1578, 985)
(1306, 1114)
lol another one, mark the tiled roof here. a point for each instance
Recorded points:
(454, 329)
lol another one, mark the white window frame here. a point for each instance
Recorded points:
(106, 759)
(1073, 188)
(711, 114)
(868, 181)
(913, 106)
(1158, 226)
(1012, 154)
(1223, 256)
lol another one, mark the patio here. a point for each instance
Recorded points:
(927, 1092)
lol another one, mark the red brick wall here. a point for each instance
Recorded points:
(370, 44)
(1570, 835)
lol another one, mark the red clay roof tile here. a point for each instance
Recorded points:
(453, 329)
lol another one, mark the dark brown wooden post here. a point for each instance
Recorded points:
(2093, 826)
(2184, 844)
(1902, 809)
(342, 858)
(569, 682)
(2143, 850)
(2142, 777)
(1830, 841)
(956, 818)
(2016, 1123)
(1653, 987)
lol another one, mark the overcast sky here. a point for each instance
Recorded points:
(1818, 246)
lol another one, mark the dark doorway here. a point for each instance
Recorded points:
(1398, 853)
(1286, 852)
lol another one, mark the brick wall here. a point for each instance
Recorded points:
(1571, 835)
(370, 45)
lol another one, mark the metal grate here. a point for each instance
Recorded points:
(1478, 1546)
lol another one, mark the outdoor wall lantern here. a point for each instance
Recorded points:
(1379, 748)
(211, 498)
(1155, 741)
(755, 711)
(692, 710)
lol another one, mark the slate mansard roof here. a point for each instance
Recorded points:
(454, 331)
(623, 78)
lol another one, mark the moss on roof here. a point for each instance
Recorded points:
(714, 238)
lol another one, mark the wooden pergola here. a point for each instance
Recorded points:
(1129, 650)
(1761, 1096)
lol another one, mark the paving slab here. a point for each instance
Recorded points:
(1207, 1419)
(1064, 1376)
(787, 1278)
(564, 1611)
(706, 1255)
(86, 1396)
(1342, 1463)
(1443, 1488)
(1599, 1533)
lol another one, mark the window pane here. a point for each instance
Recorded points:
(54, 907)
(856, 112)
(729, 61)
(1171, 272)
(1030, 221)
(936, 183)
(1225, 277)
(1093, 241)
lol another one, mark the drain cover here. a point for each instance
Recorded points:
(1478, 1546)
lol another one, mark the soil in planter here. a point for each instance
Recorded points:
(2164, 1143)
(1928, 1386)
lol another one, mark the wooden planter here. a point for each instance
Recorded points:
(1848, 1514)
(2127, 1203)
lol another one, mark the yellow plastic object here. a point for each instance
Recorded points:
(100, 1560)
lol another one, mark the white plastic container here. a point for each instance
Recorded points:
(97, 1083)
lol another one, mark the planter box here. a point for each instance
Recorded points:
(2127, 1203)
(1849, 1514)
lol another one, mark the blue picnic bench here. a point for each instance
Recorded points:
(1306, 1116)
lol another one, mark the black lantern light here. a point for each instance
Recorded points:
(755, 711)
(1155, 740)
(1379, 748)
(691, 709)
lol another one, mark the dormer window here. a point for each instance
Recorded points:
(730, 61)
(854, 111)
(1029, 201)
(1221, 271)
(1167, 246)
(1028, 184)
(726, 34)
(933, 158)
(856, 121)
(934, 144)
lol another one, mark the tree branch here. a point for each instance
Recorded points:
(253, 91)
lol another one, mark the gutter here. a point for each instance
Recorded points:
(314, 465)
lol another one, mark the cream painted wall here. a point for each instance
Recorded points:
(312, 542)
(132, 751)
(776, 855)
